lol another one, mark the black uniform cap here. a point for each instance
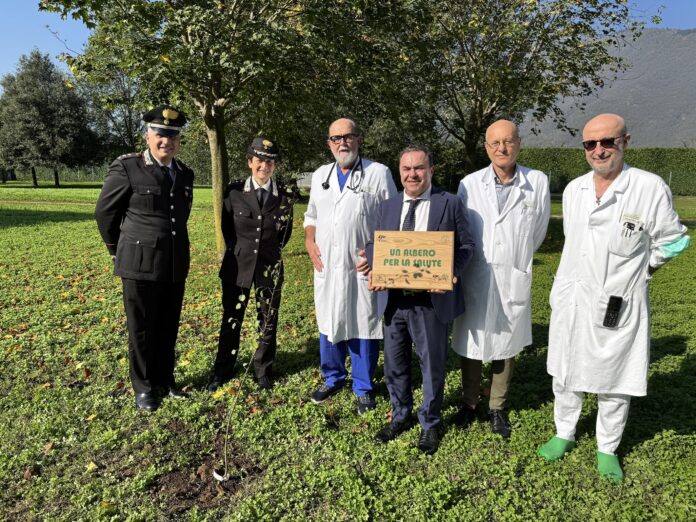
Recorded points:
(165, 120)
(263, 148)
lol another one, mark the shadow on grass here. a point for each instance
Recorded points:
(289, 363)
(10, 218)
(669, 404)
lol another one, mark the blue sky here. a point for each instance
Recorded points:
(23, 27)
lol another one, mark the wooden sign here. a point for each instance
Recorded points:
(413, 260)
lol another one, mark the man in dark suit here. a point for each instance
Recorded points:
(420, 317)
(256, 224)
(141, 214)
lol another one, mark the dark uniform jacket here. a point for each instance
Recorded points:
(254, 237)
(142, 218)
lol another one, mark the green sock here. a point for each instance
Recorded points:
(609, 467)
(556, 448)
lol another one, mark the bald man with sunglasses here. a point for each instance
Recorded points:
(620, 226)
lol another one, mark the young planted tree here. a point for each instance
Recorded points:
(43, 118)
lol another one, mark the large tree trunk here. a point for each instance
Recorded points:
(56, 181)
(3, 176)
(33, 177)
(214, 118)
(13, 175)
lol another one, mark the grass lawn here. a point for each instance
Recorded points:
(73, 448)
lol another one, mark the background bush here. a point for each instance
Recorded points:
(676, 166)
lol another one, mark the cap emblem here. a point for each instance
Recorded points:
(169, 114)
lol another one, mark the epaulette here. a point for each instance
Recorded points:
(130, 155)
(233, 185)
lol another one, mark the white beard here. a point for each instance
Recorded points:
(346, 160)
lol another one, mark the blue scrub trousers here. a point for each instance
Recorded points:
(363, 359)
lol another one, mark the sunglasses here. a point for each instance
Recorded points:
(349, 138)
(606, 143)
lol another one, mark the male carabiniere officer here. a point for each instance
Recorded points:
(141, 214)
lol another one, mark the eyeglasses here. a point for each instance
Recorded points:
(348, 138)
(495, 144)
(606, 143)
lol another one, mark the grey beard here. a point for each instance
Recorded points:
(346, 161)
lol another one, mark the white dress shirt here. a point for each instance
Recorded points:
(422, 210)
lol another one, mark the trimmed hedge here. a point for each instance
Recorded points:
(677, 166)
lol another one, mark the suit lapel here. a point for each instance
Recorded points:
(393, 212)
(437, 208)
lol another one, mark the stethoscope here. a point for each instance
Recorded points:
(350, 185)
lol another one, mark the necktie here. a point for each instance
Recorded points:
(410, 219)
(261, 196)
(172, 174)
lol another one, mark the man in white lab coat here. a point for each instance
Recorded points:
(509, 207)
(619, 227)
(341, 214)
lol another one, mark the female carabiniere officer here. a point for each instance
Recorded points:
(256, 224)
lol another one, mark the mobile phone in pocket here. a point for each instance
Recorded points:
(611, 317)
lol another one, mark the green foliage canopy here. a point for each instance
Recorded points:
(481, 60)
(225, 58)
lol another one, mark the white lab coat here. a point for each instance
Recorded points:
(344, 220)
(497, 323)
(600, 259)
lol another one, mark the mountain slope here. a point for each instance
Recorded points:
(656, 95)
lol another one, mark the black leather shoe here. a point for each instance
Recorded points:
(265, 383)
(146, 401)
(465, 417)
(175, 393)
(324, 392)
(429, 441)
(217, 382)
(499, 423)
(366, 403)
(392, 430)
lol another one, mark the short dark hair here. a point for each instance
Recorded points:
(417, 147)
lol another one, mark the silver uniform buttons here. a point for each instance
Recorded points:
(256, 251)
(173, 232)
(173, 220)
(172, 207)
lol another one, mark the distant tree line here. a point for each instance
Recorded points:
(50, 120)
